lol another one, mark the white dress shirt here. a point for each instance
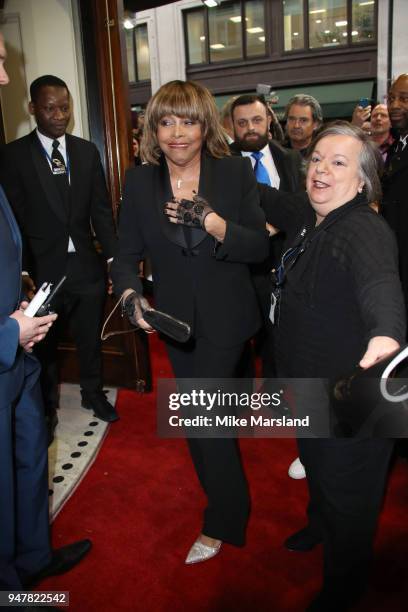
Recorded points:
(268, 163)
(47, 144)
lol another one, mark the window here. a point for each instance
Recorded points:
(195, 21)
(363, 21)
(232, 30)
(293, 25)
(327, 23)
(138, 56)
(255, 27)
(330, 23)
(225, 32)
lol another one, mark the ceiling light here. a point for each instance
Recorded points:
(202, 37)
(254, 30)
(261, 38)
(317, 11)
(366, 3)
(334, 39)
(216, 46)
(344, 34)
(340, 24)
(295, 33)
(327, 31)
(210, 3)
(318, 21)
(354, 33)
(236, 19)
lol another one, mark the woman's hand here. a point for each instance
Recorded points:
(196, 213)
(378, 348)
(134, 305)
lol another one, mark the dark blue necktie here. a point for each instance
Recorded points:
(261, 173)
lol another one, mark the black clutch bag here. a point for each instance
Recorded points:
(168, 325)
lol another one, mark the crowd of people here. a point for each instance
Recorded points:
(215, 202)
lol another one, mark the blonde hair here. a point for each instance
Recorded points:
(183, 99)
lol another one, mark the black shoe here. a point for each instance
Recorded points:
(99, 404)
(302, 541)
(51, 421)
(62, 560)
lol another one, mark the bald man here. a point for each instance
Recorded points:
(380, 128)
(395, 183)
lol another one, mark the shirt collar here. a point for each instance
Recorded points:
(265, 151)
(47, 142)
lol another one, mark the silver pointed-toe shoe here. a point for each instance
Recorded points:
(201, 552)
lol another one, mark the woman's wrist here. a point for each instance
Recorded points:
(216, 226)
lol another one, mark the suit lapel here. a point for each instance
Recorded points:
(75, 169)
(204, 190)
(46, 178)
(278, 158)
(163, 194)
(8, 214)
(397, 160)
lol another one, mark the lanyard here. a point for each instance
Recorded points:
(67, 165)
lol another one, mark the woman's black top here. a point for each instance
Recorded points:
(341, 291)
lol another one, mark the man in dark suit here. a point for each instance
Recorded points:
(395, 182)
(55, 184)
(274, 166)
(25, 553)
(394, 206)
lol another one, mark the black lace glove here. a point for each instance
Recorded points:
(134, 305)
(192, 212)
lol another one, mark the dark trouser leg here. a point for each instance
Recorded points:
(216, 460)
(8, 576)
(346, 482)
(84, 306)
(33, 550)
(46, 351)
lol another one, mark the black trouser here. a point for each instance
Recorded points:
(80, 305)
(216, 460)
(346, 479)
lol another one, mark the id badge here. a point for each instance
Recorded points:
(58, 170)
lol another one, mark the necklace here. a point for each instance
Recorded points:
(181, 181)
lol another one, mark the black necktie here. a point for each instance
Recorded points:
(59, 171)
(57, 160)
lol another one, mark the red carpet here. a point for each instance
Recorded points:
(141, 505)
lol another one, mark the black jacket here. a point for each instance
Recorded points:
(342, 291)
(288, 164)
(394, 205)
(193, 275)
(44, 221)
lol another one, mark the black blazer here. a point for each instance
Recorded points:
(394, 205)
(45, 222)
(288, 164)
(193, 274)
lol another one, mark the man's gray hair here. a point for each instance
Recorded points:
(306, 100)
(371, 162)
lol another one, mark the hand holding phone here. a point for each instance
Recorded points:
(40, 305)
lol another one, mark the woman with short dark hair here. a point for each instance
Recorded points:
(195, 211)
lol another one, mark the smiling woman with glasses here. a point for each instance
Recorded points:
(337, 303)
